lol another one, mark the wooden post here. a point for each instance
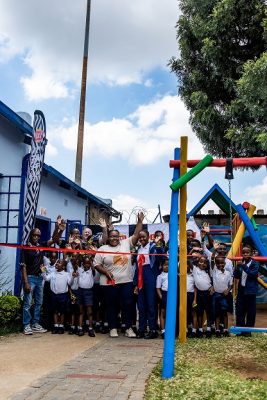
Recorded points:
(79, 151)
(183, 245)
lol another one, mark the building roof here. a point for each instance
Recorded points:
(27, 130)
(219, 197)
(17, 121)
(84, 194)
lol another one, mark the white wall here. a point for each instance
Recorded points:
(12, 149)
(57, 200)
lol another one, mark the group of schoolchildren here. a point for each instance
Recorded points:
(210, 280)
(73, 297)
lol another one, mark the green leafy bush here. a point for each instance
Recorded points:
(9, 309)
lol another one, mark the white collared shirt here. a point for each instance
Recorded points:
(201, 278)
(162, 281)
(145, 250)
(59, 281)
(228, 262)
(221, 280)
(190, 282)
(245, 275)
(86, 278)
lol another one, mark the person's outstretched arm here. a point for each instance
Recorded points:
(138, 228)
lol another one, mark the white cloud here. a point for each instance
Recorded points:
(257, 194)
(127, 39)
(51, 150)
(143, 137)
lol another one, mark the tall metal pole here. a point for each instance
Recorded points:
(169, 339)
(79, 152)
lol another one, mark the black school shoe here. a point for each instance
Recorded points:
(218, 334)
(72, 331)
(199, 334)
(208, 334)
(79, 332)
(54, 330)
(140, 335)
(61, 330)
(191, 335)
(91, 332)
(151, 335)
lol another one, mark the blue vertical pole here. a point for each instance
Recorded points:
(250, 228)
(170, 324)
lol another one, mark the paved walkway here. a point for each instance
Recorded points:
(112, 369)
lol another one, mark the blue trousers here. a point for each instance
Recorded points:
(119, 298)
(36, 295)
(245, 308)
(147, 300)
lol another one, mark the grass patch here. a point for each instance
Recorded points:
(217, 369)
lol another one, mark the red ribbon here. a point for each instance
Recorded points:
(140, 262)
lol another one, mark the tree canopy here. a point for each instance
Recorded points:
(222, 74)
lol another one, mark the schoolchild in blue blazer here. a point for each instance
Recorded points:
(145, 281)
(247, 274)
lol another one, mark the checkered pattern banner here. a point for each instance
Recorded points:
(34, 173)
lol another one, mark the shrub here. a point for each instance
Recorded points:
(9, 309)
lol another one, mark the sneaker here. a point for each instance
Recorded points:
(130, 333)
(113, 333)
(91, 332)
(37, 328)
(27, 330)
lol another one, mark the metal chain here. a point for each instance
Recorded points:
(231, 211)
(231, 231)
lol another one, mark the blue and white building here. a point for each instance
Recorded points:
(58, 194)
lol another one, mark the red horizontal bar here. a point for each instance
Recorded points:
(237, 162)
(256, 258)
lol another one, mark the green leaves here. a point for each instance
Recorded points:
(222, 73)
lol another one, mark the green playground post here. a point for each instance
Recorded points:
(254, 224)
(192, 173)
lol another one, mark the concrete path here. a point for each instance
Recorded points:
(112, 369)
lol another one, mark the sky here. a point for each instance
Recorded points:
(134, 116)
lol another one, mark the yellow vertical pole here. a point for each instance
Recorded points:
(183, 245)
(240, 233)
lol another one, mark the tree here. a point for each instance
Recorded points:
(222, 73)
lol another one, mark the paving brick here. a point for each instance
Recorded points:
(116, 370)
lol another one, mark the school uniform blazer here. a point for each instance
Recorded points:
(251, 286)
(154, 261)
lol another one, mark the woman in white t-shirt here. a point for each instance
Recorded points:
(116, 277)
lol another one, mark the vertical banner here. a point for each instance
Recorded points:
(34, 173)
